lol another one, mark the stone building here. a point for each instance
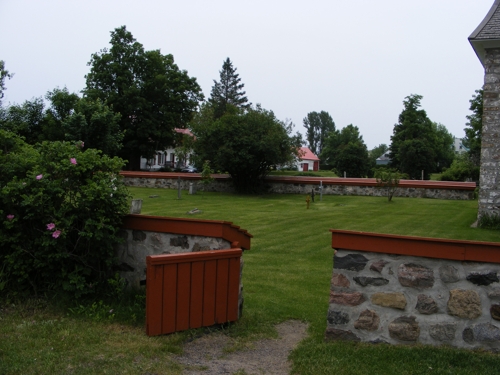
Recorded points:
(486, 43)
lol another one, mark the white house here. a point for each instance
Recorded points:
(459, 146)
(307, 161)
(168, 157)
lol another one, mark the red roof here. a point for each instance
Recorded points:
(183, 131)
(306, 154)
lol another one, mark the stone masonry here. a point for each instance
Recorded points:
(305, 188)
(489, 192)
(397, 299)
(138, 244)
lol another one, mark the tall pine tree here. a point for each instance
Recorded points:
(228, 91)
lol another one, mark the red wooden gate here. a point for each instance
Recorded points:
(191, 290)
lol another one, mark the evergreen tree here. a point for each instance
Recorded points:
(413, 143)
(318, 126)
(227, 91)
(474, 128)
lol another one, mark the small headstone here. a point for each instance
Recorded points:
(154, 196)
(136, 206)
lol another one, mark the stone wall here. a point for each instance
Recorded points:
(489, 193)
(399, 299)
(138, 244)
(305, 186)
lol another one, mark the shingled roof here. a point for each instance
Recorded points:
(487, 34)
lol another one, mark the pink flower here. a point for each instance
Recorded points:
(73, 161)
(51, 226)
(39, 177)
(56, 233)
(10, 217)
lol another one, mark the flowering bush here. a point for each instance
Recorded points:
(61, 210)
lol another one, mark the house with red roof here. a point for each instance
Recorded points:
(168, 158)
(307, 161)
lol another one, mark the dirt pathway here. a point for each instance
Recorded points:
(269, 356)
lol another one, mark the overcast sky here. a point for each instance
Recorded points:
(356, 59)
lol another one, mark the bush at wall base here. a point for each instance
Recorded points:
(61, 209)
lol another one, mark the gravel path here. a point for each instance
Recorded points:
(268, 356)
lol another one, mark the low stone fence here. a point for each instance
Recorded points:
(305, 185)
(151, 235)
(401, 290)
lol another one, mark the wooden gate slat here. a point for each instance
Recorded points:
(221, 292)
(196, 310)
(169, 298)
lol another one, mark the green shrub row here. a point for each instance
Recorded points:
(61, 210)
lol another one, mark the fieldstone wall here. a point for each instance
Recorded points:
(489, 192)
(397, 299)
(304, 188)
(138, 244)
(284, 188)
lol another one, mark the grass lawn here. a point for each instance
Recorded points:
(286, 276)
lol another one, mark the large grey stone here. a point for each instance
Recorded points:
(443, 331)
(351, 262)
(449, 274)
(426, 305)
(404, 328)
(375, 281)
(337, 317)
(333, 334)
(415, 276)
(464, 304)
(368, 320)
(482, 332)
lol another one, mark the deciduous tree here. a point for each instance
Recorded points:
(147, 88)
(246, 144)
(4, 74)
(347, 152)
(318, 126)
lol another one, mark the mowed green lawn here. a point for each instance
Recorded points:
(286, 276)
(287, 271)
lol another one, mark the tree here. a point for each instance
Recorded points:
(413, 143)
(96, 125)
(147, 88)
(444, 143)
(26, 120)
(318, 126)
(228, 91)
(473, 131)
(3, 75)
(62, 106)
(347, 152)
(388, 178)
(246, 144)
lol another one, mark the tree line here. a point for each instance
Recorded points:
(418, 146)
(134, 99)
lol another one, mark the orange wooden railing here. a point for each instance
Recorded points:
(192, 290)
(226, 230)
(416, 246)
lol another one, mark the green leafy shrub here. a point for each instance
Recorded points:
(61, 210)
(388, 178)
(461, 169)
